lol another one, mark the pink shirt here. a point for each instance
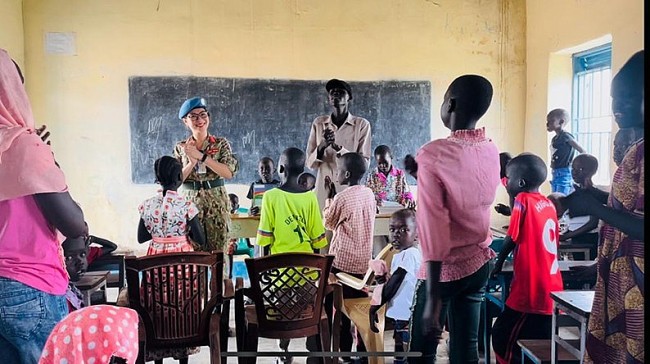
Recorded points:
(30, 252)
(457, 182)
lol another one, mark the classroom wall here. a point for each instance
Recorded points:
(11, 30)
(555, 30)
(83, 98)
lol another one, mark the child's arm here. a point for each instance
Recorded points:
(404, 195)
(316, 229)
(265, 237)
(387, 293)
(502, 209)
(62, 212)
(590, 225)
(572, 142)
(506, 249)
(331, 213)
(143, 233)
(107, 246)
(196, 232)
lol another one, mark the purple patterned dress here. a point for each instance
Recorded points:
(617, 320)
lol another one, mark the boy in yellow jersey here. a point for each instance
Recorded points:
(290, 220)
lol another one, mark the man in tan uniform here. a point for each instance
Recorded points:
(334, 135)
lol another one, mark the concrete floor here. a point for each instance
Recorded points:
(296, 345)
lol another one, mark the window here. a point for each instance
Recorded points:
(592, 107)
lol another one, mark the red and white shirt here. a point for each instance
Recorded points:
(351, 216)
(535, 231)
(167, 216)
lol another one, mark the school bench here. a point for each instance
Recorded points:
(116, 279)
(539, 352)
(495, 301)
(90, 283)
(570, 308)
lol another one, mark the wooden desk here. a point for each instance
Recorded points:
(498, 299)
(499, 231)
(91, 282)
(577, 305)
(244, 226)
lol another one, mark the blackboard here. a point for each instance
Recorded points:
(262, 117)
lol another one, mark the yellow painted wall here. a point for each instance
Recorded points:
(84, 98)
(555, 30)
(11, 30)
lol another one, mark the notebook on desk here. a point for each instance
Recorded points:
(258, 192)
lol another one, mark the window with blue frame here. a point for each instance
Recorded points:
(592, 107)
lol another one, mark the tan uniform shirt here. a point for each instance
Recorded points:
(353, 136)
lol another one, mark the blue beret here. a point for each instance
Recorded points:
(191, 104)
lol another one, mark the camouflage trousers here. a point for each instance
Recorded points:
(214, 213)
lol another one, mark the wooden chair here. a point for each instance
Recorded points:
(288, 292)
(178, 297)
(357, 309)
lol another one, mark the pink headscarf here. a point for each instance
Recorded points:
(26, 163)
(93, 334)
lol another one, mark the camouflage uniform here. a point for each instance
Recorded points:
(213, 204)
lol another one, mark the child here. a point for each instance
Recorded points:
(399, 289)
(78, 256)
(293, 223)
(307, 181)
(504, 158)
(237, 246)
(290, 220)
(168, 219)
(583, 229)
(457, 181)
(234, 203)
(266, 170)
(533, 235)
(583, 168)
(388, 182)
(563, 147)
(351, 216)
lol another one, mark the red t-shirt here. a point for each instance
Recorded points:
(94, 252)
(535, 230)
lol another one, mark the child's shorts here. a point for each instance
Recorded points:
(402, 338)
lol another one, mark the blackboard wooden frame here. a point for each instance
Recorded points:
(261, 117)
